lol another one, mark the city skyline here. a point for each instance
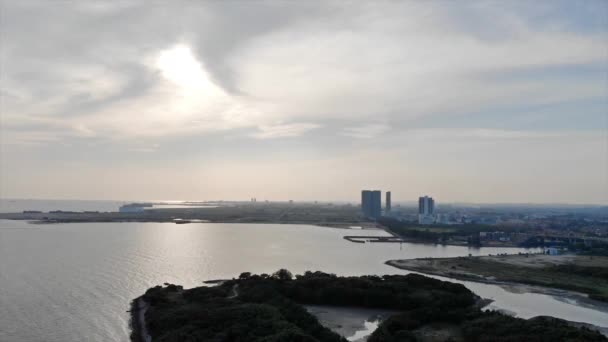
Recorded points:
(320, 170)
(477, 102)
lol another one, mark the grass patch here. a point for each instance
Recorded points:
(589, 280)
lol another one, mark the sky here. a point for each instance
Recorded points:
(466, 101)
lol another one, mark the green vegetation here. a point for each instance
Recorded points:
(269, 308)
(593, 247)
(434, 229)
(577, 273)
(338, 215)
(493, 326)
(476, 325)
(468, 233)
(596, 276)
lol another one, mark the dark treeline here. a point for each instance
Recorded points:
(412, 230)
(269, 308)
(478, 326)
(210, 314)
(438, 233)
(387, 292)
(595, 247)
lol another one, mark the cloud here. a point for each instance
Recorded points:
(365, 131)
(208, 79)
(314, 62)
(367, 70)
(283, 130)
(145, 148)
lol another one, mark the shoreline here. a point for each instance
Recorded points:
(116, 217)
(137, 322)
(351, 316)
(582, 299)
(348, 321)
(527, 273)
(328, 215)
(119, 218)
(481, 279)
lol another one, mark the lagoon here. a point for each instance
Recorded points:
(74, 282)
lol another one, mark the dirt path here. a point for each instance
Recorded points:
(233, 292)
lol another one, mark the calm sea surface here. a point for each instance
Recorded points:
(74, 282)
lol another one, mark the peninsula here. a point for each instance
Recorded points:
(272, 308)
(582, 273)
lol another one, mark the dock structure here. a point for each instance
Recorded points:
(364, 238)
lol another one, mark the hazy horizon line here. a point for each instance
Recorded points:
(413, 202)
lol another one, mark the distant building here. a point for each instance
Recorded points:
(426, 210)
(371, 205)
(442, 219)
(426, 205)
(387, 205)
(376, 203)
(366, 201)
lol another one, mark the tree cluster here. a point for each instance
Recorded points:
(265, 308)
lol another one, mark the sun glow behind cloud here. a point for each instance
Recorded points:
(191, 99)
(203, 105)
(436, 83)
(179, 66)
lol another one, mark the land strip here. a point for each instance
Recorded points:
(364, 238)
(337, 216)
(586, 274)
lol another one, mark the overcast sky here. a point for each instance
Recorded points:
(467, 101)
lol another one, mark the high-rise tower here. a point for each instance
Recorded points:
(426, 209)
(371, 205)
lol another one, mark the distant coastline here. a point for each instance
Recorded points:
(337, 216)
